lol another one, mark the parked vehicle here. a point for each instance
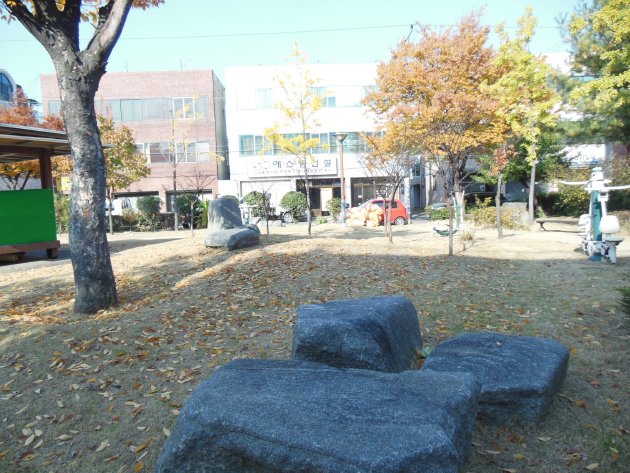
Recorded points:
(400, 216)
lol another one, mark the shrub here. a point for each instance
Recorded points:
(569, 200)
(619, 200)
(149, 207)
(295, 203)
(486, 217)
(624, 219)
(258, 202)
(322, 219)
(62, 212)
(203, 218)
(437, 214)
(183, 203)
(233, 197)
(334, 207)
(482, 203)
(128, 221)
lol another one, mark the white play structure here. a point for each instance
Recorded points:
(597, 228)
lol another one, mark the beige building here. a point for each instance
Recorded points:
(178, 120)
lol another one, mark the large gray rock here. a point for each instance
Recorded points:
(378, 333)
(288, 416)
(519, 376)
(233, 239)
(225, 226)
(224, 214)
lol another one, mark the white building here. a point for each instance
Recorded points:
(251, 96)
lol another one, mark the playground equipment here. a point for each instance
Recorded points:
(443, 230)
(598, 229)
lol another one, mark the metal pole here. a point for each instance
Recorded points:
(340, 137)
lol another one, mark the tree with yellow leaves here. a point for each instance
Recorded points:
(124, 164)
(523, 92)
(299, 109)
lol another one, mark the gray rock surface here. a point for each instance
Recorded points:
(293, 416)
(233, 239)
(519, 376)
(225, 226)
(224, 214)
(378, 333)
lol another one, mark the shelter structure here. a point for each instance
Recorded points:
(27, 217)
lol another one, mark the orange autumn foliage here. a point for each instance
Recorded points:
(16, 175)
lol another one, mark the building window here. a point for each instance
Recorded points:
(54, 107)
(201, 107)
(156, 109)
(6, 88)
(326, 94)
(203, 151)
(246, 145)
(131, 110)
(417, 169)
(250, 145)
(264, 99)
(183, 107)
(159, 152)
(324, 145)
(185, 152)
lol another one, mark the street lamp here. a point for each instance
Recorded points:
(340, 137)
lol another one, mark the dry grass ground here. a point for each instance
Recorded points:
(99, 393)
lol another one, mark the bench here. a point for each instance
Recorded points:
(542, 221)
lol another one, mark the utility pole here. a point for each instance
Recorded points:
(174, 162)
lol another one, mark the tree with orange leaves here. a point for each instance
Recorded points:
(16, 175)
(56, 25)
(433, 87)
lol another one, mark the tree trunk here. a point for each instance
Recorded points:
(308, 205)
(109, 213)
(266, 204)
(451, 210)
(497, 201)
(532, 190)
(192, 218)
(175, 214)
(451, 219)
(95, 286)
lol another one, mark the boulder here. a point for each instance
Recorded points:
(288, 416)
(225, 226)
(378, 333)
(519, 376)
(233, 239)
(224, 214)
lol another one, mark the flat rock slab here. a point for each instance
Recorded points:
(233, 239)
(377, 333)
(519, 376)
(290, 416)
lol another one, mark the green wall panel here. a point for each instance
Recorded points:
(27, 216)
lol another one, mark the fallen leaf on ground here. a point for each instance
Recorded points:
(104, 444)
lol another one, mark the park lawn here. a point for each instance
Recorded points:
(100, 393)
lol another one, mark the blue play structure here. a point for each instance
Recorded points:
(597, 228)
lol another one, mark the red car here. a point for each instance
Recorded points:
(399, 211)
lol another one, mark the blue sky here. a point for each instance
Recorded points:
(202, 34)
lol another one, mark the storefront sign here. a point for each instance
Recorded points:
(275, 166)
